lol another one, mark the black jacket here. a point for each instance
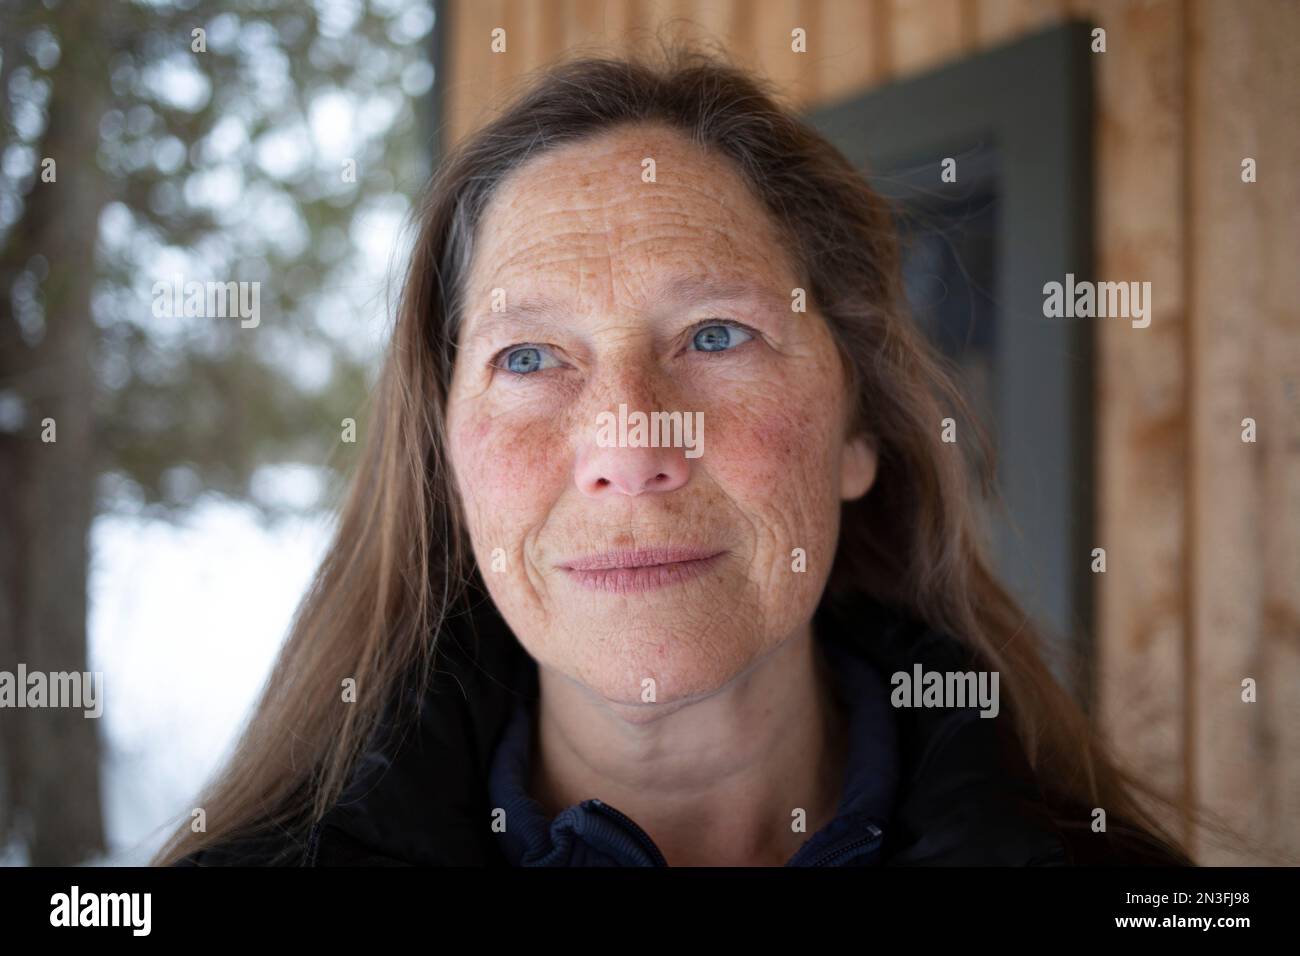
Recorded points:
(966, 795)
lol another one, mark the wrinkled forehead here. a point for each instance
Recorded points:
(606, 221)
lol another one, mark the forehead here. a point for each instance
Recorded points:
(582, 219)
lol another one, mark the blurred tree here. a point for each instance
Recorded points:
(267, 141)
(52, 755)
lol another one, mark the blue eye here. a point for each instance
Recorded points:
(719, 338)
(526, 359)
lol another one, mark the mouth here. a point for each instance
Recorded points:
(640, 569)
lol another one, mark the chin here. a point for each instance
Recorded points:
(686, 662)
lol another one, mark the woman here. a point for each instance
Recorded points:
(653, 524)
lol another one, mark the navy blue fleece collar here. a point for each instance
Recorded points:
(592, 833)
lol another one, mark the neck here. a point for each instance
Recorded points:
(714, 781)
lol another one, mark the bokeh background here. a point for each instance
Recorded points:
(167, 535)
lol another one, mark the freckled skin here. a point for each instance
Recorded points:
(736, 735)
(769, 480)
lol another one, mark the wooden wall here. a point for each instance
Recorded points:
(1202, 531)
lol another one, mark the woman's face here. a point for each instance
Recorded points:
(596, 296)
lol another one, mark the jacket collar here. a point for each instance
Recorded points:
(420, 794)
(593, 833)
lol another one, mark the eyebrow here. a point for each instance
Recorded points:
(684, 289)
(717, 289)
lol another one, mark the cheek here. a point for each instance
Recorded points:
(508, 471)
(772, 450)
(777, 462)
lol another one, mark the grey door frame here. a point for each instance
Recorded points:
(1030, 100)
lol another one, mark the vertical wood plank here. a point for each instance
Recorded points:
(716, 25)
(1244, 247)
(718, 21)
(624, 19)
(540, 34)
(1140, 416)
(997, 21)
(662, 19)
(768, 50)
(882, 38)
(844, 58)
(585, 26)
(805, 74)
(481, 80)
(502, 66)
(1278, 83)
(925, 33)
(472, 68)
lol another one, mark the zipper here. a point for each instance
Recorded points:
(641, 837)
(826, 859)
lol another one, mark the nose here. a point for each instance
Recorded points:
(601, 472)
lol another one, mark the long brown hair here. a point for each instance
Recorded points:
(399, 562)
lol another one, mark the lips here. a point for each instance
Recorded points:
(640, 569)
